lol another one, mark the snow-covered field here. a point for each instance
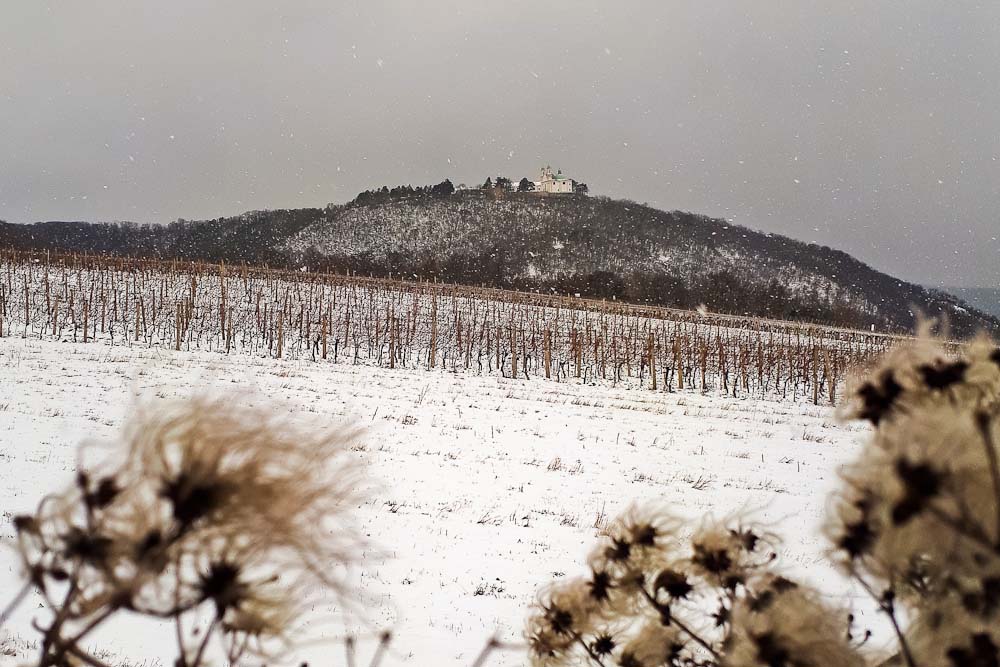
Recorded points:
(486, 487)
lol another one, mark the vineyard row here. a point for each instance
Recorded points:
(336, 319)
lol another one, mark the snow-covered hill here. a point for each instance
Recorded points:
(614, 248)
(986, 299)
(569, 244)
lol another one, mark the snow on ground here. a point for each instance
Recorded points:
(487, 487)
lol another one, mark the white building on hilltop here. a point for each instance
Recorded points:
(550, 182)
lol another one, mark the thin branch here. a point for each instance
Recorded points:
(383, 645)
(15, 603)
(173, 612)
(680, 624)
(491, 645)
(890, 610)
(204, 642)
(51, 634)
(590, 652)
(181, 649)
(237, 650)
(63, 646)
(349, 650)
(963, 526)
(985, 426)
(178, 626)
(75, 640)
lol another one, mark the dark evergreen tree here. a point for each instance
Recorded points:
(443, 189)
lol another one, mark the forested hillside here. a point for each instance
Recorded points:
(986, 299)
(591, 246)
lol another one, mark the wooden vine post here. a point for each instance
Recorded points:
(651, 351)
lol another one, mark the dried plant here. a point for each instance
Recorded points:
(210, 513)
(656, 597)
(916, 524)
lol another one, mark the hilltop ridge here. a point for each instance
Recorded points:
(566, 243)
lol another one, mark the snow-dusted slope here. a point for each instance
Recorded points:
(594, 246)
(604, 247)
(484, 488)
(558, 235)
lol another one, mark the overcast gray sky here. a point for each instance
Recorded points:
(873, 127)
